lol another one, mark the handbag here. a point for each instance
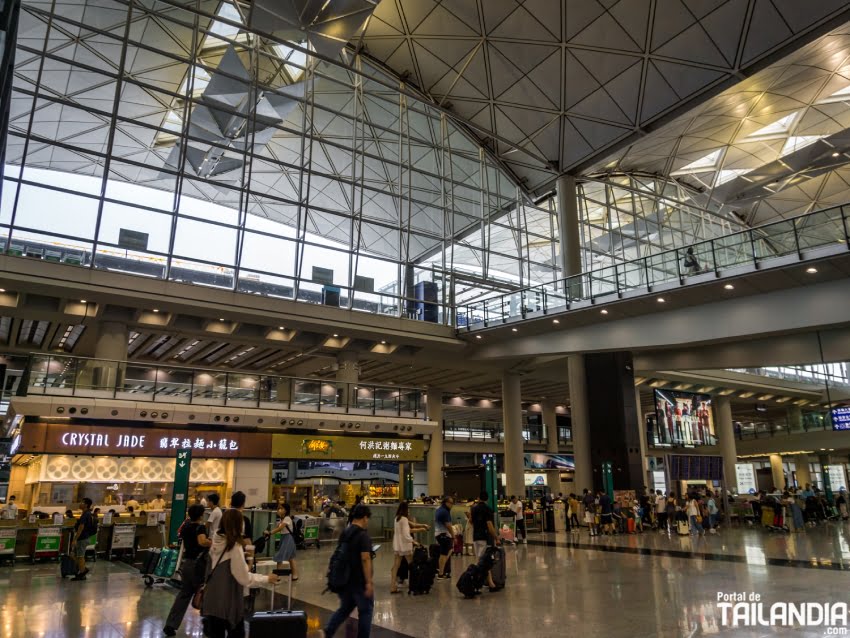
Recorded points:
(198, 598)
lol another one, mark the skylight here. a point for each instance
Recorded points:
(728, 174)
(202, 78)
(701, 165)
(291, 57)
(839, 96)
(781, 126)
(228, 12)
(796, 142)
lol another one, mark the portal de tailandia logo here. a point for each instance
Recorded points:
(749, 609)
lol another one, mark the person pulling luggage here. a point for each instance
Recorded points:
(444, 534)
(84, 528)
(484, 532)
(193, 568)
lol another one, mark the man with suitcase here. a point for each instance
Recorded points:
(83, 530)
(484, 533)
(358, 592)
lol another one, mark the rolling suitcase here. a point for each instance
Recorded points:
(150, 562)
(67, 566)
(167, 563)
(499, 570)
(471, 581)
(422, 572)
(284, 622)
(682, 528)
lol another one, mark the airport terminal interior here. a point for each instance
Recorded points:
(341, 252)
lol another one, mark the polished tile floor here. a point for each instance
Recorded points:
(644, 585)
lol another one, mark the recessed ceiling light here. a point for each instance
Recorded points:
(513, 329)
(477, 336)
(280, 327)
(729, 287)
(383, 343)
(661, 300)
(221, 319)
(83, 301)
(811, 270)
(603, 311)
(335, 335)
(156, 309)
(2, 290)
(836, 154)
(556, 321)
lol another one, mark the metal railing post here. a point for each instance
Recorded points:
(714, 259)
(796, 239)
(192, 388)
(753, 249)
(226, 387)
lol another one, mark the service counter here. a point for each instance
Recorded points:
(45, 538)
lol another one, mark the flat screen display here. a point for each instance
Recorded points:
(683, 419)
(841, 418)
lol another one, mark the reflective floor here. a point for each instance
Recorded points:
(645, 585)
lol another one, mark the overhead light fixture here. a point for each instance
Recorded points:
(477, 336)
(336, 335)
(2, 290)
(156, 309)
(383, 343)
(83, 301)
(221, 318)
(603, 311)
(836, 154)
(513, 329)
(280, 328)
(811, 270)
(729, 287)
(660, 300)
(556, 321)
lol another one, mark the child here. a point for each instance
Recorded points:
(590, 518)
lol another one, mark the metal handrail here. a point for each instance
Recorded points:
(81, 376)
(750, 246)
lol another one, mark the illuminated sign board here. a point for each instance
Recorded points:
(841, 418)
(346, 448)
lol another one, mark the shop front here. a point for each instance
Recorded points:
(56, 465)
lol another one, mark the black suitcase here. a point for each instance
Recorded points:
(403, 571)
(499, 569)
(274, 624)
(150, 562)
(471, 581)
(68, 566)
(422, 572)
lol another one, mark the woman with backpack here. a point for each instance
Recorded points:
(286, 551)
(223, 606)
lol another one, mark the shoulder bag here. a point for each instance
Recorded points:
(198, 598)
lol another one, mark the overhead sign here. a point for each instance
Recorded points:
(180, 493)
(841, 418)
(346, 448)
(106, 440)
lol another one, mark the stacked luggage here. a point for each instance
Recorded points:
(474, 578)
(159, 565)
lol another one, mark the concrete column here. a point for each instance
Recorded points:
(580, 423)
(801, 464)
(569, 233)
(435, 457)
(550, 420)
(111, 345)
(644, 452)
(402, 480)
(795, 418)
(725, 428)
(777, 471)
(347, 376)
(292, 472)
(514, 443)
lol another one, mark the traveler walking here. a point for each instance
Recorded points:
(223, 608)
(694, 516)
(214, 519)
(403, 543)
(84, 528)
(518, 509)
(483, 532)
(286, 551)
(193, 567)
(711, 506)
(661, 511)
(605, 512)
(358, 591)
(444, 534)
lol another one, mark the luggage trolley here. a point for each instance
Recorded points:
(159, 566)
(311, 530)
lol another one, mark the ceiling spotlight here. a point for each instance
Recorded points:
(221, 319)
(556, 321)
(83, 301)
(2, 290)
(156, 309)
(513, 330)
(335, 335)
(729, 287)
(660, 300)
(603, 311)
(383, 343)
(836, 154)
(811, 270)
(477, 336)
(280, 328)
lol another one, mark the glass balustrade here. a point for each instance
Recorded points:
(54, 374)
(804, 237)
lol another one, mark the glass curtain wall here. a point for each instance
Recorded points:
(167, 140)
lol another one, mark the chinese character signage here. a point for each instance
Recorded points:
(346, 448)
(841, 418)
(60, 438)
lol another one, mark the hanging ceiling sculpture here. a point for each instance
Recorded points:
(328, 25)
(222, 120)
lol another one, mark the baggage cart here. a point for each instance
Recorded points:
(8, 539)
(46, 543)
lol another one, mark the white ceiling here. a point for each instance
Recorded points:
(566, 82)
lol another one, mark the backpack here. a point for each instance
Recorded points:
(298, 533)
(91, 526)
(339, 566)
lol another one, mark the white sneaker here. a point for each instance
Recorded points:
(524, 541)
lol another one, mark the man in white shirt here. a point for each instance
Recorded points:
(10, 512)
(661, 511)
(214, 519)
(519, 512)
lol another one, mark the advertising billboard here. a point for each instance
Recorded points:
(683, 419)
